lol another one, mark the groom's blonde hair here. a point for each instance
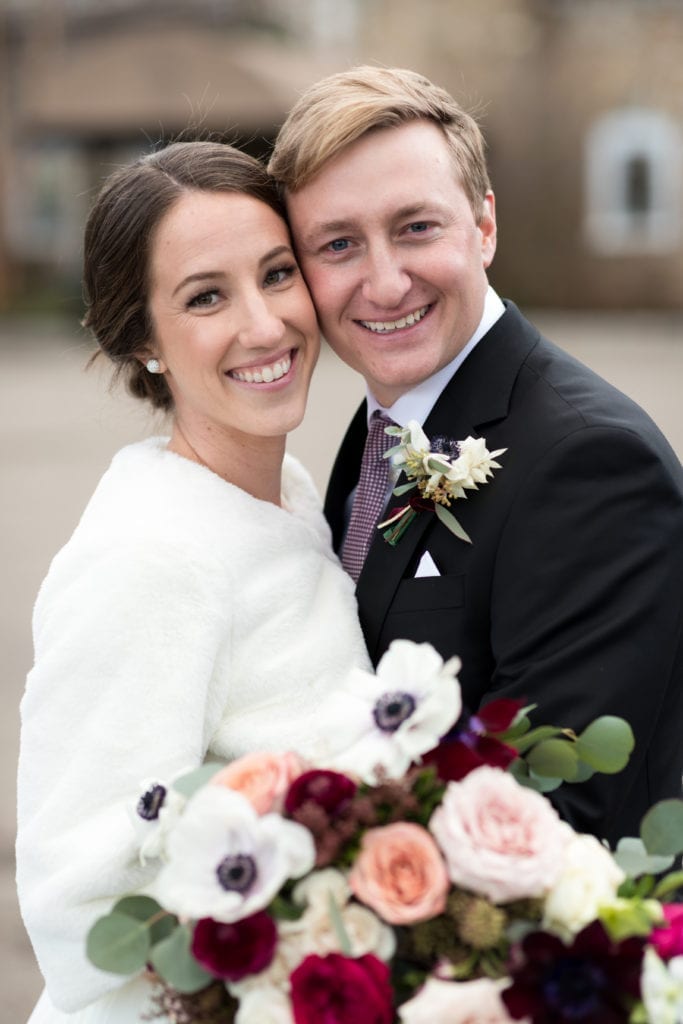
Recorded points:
(338, 110)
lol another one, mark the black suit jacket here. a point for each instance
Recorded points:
(570, 594)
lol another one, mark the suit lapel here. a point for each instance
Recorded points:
(345, 473)
(479, 393)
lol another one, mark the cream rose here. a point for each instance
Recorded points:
(499, 839)
(589, 879)
(400, 873)
(262, 778)
(458, 1002)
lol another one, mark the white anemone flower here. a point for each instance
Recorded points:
(379, 725)
(226, 862)
(662, 989)
(153, 814)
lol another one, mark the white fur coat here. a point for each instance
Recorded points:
(184, 618)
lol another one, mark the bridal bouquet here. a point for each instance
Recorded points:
(402, 875)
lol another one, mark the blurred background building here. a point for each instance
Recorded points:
(581, 102)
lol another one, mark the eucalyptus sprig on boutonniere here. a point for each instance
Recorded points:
(441, 471)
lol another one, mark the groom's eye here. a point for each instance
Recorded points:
(338, 245)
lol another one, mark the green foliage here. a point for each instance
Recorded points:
(118, 943)
(634, 860)
(121, 941)
(662, 828)
(449, 520)
(188, 784)
(553, 758)
(606, 744)
(173, 961)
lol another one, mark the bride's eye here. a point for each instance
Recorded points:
(277, 275)
(206, 298)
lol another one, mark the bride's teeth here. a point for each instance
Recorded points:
(265, 374)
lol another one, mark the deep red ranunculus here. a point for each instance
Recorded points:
(329, 790)
(232, 951)
(592, 981)
(336, 989)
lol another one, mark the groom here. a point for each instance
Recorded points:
(569, 595)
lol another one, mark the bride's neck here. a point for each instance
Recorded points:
(252, 463)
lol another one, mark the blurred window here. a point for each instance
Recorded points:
(633, 169)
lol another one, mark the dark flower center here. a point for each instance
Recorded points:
(237, 873)
(574, 987)
(392, 709)
(151, 802)
(441, 445)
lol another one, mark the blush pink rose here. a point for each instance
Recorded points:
(400, 874)
(262, 778)
(499, 839)
(668, 938)
(458, 1002)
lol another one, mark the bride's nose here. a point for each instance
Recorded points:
(260, 326)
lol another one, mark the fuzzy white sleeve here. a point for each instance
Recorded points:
(123, 688)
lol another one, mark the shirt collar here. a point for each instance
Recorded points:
(417, 403)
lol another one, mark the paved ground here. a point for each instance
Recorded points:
(58, 428)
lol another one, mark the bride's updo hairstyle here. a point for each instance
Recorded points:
(118, 240)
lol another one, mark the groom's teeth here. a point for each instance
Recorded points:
(383, 326)
(265, 374)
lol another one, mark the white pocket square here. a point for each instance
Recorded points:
(426, 566)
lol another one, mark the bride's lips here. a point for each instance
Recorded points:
(274, 371)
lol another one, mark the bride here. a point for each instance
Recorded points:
(197, 610)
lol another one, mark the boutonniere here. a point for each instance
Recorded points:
(441, 470)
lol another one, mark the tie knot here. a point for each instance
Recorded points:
(378, 440)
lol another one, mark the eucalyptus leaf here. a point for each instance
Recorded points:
(583, 772)
(118, 944)
(449, 520)
(670, 883)
(338, 926)
(606, 744)
(662, 828)
(634, 860)
(173, 961)
(194, 780)
(403, 489)
(143, 908)
(554, 759)
(541, 732)
(545, 783)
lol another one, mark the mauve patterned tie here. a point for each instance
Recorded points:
(370, 496)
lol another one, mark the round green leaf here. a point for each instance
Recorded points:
(662, 828)
(194, 780)
(118, 943)
(143, 908)
(634, 860)
(606, 744)
(172, 959)
(554, 758)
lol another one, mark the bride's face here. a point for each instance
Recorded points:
(234, 327)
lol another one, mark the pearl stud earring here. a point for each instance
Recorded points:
(153, 366)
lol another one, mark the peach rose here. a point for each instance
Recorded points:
(400, 874)
(262, 778)
(500, 839)
(464, 1002)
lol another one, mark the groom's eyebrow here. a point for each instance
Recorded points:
(324, 229)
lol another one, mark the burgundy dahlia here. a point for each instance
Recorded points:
(592, 981)
(326, 789)
(336, 989)
(232, 951)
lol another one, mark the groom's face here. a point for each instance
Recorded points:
(394, 256)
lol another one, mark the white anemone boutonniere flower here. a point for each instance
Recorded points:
(441, 471)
